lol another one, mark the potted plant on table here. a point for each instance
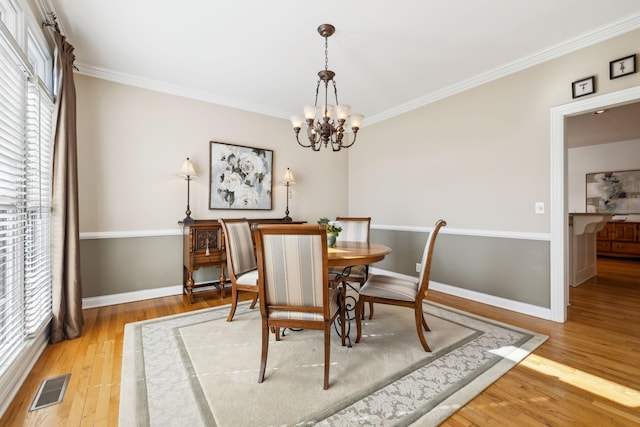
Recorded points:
(332, 231)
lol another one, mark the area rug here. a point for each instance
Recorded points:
(196, 369)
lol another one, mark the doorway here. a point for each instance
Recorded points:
(559, 256)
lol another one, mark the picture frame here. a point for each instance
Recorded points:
(615, 192)
(240, 177)
(622, 67)
(583, 87)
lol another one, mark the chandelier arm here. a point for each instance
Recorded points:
(317, 91)
(335, 91)
(301, 144)
(355, 136)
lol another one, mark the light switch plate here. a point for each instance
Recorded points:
(539, 208)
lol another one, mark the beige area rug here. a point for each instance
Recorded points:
(196, 369)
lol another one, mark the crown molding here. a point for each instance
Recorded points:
(158, 86)
(600, 34)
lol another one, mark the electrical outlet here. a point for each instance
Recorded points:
(539, 208)
(418, 267)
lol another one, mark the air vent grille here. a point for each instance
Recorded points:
(51, 392)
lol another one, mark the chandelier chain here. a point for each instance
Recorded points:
(326, 53)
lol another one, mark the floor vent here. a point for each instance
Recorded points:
(51, 392)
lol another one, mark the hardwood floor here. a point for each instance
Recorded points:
(585, 374)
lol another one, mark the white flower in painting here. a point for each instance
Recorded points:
(222, 155)
(252, 168)
(246, 197)
(230, 181)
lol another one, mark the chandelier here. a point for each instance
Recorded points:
(327, 123)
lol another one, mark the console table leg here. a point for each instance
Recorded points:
(189, 288)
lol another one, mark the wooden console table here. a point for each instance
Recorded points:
(203, 246)
(620, 239)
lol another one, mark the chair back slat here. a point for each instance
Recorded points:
(238, 237)
(425, 272)
(293, 270)
(353, 229)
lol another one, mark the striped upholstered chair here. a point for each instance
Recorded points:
(293, 284)
(241, 260)
(391, 290)
(353, 230)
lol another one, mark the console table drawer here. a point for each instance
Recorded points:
(604, 246)
(625, 248)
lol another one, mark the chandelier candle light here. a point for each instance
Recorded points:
(334, 121)
(187, 172)
(288, 181)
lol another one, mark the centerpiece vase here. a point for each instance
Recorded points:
(331, 240)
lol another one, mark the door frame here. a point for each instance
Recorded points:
(559, 215)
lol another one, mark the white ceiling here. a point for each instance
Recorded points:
(264, 56)
(614, 125)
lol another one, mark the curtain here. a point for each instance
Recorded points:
(67, 284)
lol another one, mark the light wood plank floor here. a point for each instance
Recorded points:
(586, 374)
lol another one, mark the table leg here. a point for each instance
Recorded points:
(347, 305)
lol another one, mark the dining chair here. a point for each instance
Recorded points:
(241, 260)
(383, 289)
(354, 229)
(293, 284)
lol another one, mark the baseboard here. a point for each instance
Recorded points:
(123, 298)
(507, 304)
(519, 307)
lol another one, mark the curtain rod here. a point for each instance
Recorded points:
(51, 21)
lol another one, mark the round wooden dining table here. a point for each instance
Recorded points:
(344, 254)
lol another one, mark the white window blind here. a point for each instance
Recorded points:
(25, 203)
(38, 236)
(13, 215)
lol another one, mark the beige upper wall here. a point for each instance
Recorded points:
(481, 158)
(132, 142)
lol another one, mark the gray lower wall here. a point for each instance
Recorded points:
(514, 269)
(120, 265)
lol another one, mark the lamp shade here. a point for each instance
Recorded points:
(288, 177)
(187, 169)
(356, 120)
(296, 121)
(343, 111)
(310, 112)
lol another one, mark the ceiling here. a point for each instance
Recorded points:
(614, 125)
(263, 56)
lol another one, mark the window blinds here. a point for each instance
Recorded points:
(38, 233)
(26, 113)
(13, 220)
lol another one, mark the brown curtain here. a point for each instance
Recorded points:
(67, 284)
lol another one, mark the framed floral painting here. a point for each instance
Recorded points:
(240, 177)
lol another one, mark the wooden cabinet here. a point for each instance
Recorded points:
(619, 239)
(203, 246)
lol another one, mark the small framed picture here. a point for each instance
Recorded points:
(583, 87)
(622, 67)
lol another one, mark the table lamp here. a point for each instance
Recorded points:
(187, 172)
(288, 181)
